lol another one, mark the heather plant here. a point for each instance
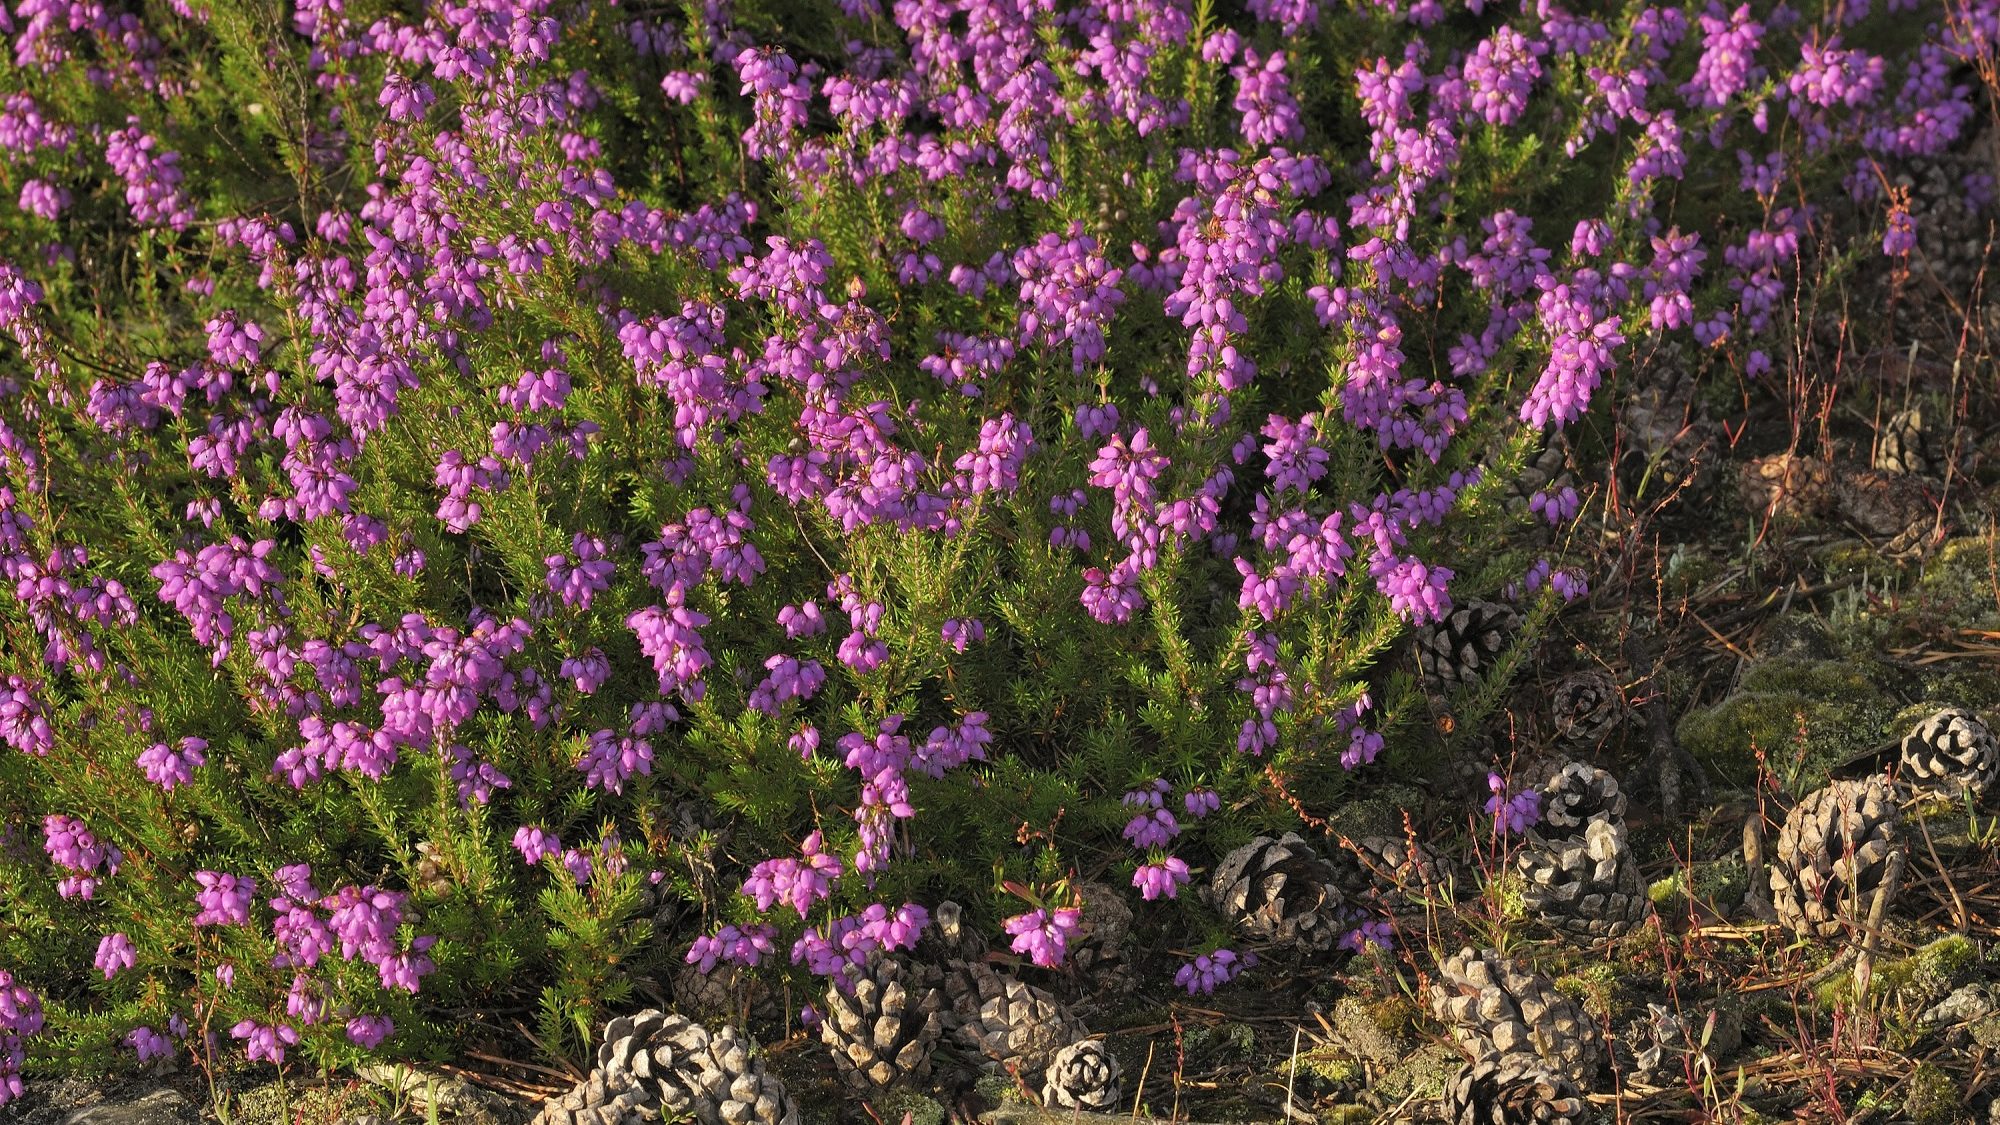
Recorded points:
(454, 463)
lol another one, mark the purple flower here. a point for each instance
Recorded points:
(747, 946)
(368, 1032)
(1152, 830)
(149, 1044)
(1043, 935)
(266, 1042)
(114, 952)
(1901, 235)
(224, 899)
(797, 882)
(1200, 802)
(1514, 812)
(963, 632)
(533, 842)
(1376, 933)
(1162, 879)
(168, 768)
(1202, 975)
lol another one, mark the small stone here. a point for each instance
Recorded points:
(158, 1107)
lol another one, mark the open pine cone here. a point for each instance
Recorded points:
(1951, 755)
(1463, 647)
(1669, 438)
(1099, 940)
(1512, 1090)
(1786, 487)
(882, 1028)
(1389, 870)
(656, 1062)
(1895, 512)
(1588, 885)
(1496, 1004)
(1015, 1025)
(1907, 443)
(1280, 891)
(1586, 707)
(1578, 794)
(1833, 854)
(1083, 1075)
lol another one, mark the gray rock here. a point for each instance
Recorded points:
(1967, 1005)
(157, 1107)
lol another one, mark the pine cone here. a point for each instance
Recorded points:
(1460, 649)
(1951, 235)
(1578, 794)
(1658, 1046)
(1786, 487)
(1588, 886)
(603, 1098)
(1101, 929)
(1895, 511)
(1586, 706)
(654, 1062)
(1907, 444)
(1950, 755)
(1083, 1075)
(1512, 1090)
(1280, 890)
(1494, 1003)
(882, 1029)
(1016, 1025)
(728, 993)
(1388, 870)
(1833, 853)
(1670, 437)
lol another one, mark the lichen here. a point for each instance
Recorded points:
(1805, 715)
(1931, 1097)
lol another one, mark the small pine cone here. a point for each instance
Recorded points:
(1578, 794)
(1016, 1025)
(602, 1098)
(1671, 439)
(1588, 886)
(1083, 1075)
(433, 869)
(1786, 487)
(948, 938)
(727, 993)
(1280, 890)
(1907, 444)
(1656, 1047)
(1512, 1090)
(1463, 647)
(1101, 929)
(1586, 707)
(686, 1071)
(1389, 870)
(1834, 852)
(1495, 1003)
(1950, 755)
(1895, 511)
(882, 1029)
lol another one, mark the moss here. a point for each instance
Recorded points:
(1957, 581)
(1916, 981)
(1423, 1074)
(1333, 1065)
(1380, 813)
(1931, 1097)
(1347, 1115)
(921, 1110)
(1595, 986)
(1805, 715)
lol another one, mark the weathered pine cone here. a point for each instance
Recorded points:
(1101, 929)
(1496, 1004)
(1895, 512)
(1588, 886)
(1390, 870)
(1834, 853)
(1578, 794)
(656, 1062)
(1907, 444)
(1280, 891)
(1671, 439)
(1015, 1025)
(1586, 707)
(1786, 487)
(1463, 647)
(882, 1028)
(1952, 755)
(728, 993)
(948, 938)
(1083, 1075)
(1512, 1090)
(602, 1098)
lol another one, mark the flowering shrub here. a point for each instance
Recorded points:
(435, 446)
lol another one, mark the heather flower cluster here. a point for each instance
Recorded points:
(1000, 440)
